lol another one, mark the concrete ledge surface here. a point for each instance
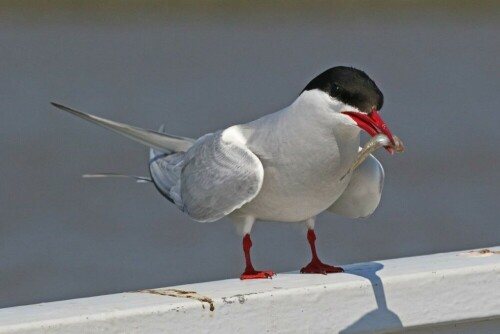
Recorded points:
(449, 292)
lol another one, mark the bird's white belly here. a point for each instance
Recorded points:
(306, 185)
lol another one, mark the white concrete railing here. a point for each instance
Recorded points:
(455, 292)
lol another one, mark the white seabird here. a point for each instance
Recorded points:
(288, 166)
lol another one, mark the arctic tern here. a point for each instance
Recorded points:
(288, 166)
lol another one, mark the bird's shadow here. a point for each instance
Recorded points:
(380, 318)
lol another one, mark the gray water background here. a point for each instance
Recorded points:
(62, 236)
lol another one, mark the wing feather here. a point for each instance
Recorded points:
(220, 175)
(362, 195)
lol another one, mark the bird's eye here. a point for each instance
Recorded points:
(335, 88)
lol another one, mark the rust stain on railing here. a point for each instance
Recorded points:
(478, 253)
(181, 294)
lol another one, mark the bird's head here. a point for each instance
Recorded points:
(358, 96)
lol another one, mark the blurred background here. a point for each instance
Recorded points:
(199, 66)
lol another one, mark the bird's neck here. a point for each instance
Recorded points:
(321, 111)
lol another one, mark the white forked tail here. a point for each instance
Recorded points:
(160, 141)
(138, 179)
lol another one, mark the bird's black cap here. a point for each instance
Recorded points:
(349, 85)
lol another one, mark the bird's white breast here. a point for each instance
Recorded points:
(305, 150)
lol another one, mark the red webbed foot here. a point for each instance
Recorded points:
(320, 268)
(250, 272)
(254, 274)
(316, 266)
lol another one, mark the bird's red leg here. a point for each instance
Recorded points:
(316, 266)
(250, 272)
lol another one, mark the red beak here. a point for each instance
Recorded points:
(372, 123)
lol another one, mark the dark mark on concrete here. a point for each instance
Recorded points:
(479, 253)
(241, 298)
(181, 294)
(231, 300)
(225, 300)
(488, 251)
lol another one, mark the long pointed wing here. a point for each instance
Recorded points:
(161, 141)
(362, 195)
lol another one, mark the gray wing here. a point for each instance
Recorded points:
(362, 195)
(165, 170)
(220, 174)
